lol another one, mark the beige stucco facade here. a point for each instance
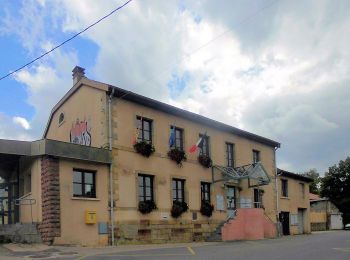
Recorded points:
(128, 164)
(296, 202)
(85, 120)
(74, 230)
(91, 102)
(86, 103)
(30, 191)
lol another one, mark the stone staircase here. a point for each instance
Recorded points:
(249, 224)
(216, 235)
(20, 233)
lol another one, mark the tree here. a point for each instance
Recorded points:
(314, 186)
(336, 186)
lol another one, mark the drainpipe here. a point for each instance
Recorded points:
(276, 186)
(110, 140)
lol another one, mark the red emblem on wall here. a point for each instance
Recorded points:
(81, 133)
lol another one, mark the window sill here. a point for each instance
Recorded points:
(86, 199)
(286, 198)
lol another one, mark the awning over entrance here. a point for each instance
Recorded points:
(255, 173)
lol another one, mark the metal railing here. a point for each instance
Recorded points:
(250, 205)
(26, 202)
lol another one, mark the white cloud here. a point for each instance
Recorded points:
(22, 122)
(262, 75)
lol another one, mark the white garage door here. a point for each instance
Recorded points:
(336, 221)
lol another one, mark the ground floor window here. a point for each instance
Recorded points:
(145, 187)
(179, 190)
(205, 192)
(84, 183)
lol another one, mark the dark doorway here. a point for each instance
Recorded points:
(9, 192)
(8, 209)
(284, 219)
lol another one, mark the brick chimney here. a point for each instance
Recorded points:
(78, 73)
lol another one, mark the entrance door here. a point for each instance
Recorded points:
(8, 209)
(301, 221)
(231, 201)
(284, 218)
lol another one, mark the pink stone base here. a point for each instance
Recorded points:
(249, 224)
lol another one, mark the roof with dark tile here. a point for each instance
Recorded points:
(292, 175)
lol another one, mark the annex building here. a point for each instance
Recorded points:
(116, 167)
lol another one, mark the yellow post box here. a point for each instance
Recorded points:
(90, 217)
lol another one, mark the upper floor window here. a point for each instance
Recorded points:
(144, 126)
(61, 118)
(179, 141)
(84, 184)
(256, 156)
(230, 155)
(145, 187)
(179, 190)
(284, 188)
(204, 147)
(205, 191)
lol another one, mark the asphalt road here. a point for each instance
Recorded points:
(326, 245)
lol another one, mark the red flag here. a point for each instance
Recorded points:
(194, 147)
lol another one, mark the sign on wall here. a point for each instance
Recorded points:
(81, 133)
(294, 219)
(220, 202)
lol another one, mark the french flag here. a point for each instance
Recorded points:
(199, 143)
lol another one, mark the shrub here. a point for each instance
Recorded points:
(147, 206)
(205, 160)
(177, 155)
(206, 209)
(144, 148)
(178, 208)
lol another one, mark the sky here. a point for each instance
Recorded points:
(277, 68)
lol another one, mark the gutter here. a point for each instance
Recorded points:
(111, 166)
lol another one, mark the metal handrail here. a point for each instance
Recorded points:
(248, 205)
(26, 202)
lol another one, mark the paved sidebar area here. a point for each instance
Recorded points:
(321, 245)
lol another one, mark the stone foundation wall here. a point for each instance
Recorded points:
(50, 227)
(145, 232)
(322, 226)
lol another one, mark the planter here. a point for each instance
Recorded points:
(205, 161)
(177, 155)
(178, 208)
(147, 206)
(144, 148)
(206, 209)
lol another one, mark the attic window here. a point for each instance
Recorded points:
(61, 118)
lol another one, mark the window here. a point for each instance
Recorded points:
(145, 129)
(179, 190)
(145, 187)
(179, 141)
(84, 184)
(205, 191)
(256, 156)
(204, 148)
(302, 190)
(284, 188)
(230, 155)
(61, 118)
(257, 198)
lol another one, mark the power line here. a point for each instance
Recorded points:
(69, 39)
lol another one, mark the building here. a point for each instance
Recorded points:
(324, 214)
(105, 158)
(294, 207)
